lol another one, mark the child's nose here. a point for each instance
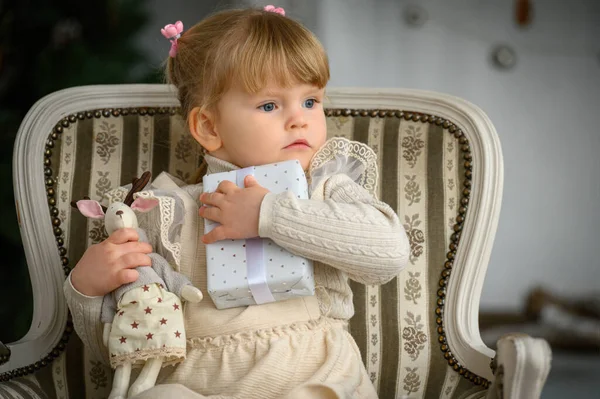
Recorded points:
(297, 120)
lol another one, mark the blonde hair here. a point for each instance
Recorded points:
(245, 47)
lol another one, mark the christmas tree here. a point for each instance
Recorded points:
(48, 45)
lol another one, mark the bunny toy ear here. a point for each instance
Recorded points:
(144, 204)
(90, 208)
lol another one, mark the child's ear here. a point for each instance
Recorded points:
(91, 209)
(203, 128)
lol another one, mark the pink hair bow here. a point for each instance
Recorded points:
(276, 10)
(173, 32)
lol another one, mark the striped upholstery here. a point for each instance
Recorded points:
(422, 174)
(25, 387)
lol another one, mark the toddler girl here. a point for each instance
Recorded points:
(251, 86)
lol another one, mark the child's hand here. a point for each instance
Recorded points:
(191, 294)
(236, 209)
(106, 266)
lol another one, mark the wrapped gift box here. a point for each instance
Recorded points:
(256, 271)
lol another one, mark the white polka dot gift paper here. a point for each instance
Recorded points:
(256, 271)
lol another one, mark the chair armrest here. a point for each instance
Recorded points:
(521, 367)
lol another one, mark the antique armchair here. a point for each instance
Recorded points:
(440, 168)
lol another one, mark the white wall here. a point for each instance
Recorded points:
(546, 111)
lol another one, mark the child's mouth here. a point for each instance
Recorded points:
(298, 144)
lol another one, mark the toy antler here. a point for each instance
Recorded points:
(74, 204)
(137, 185)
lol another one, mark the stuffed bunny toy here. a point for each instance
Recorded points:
(143, 320)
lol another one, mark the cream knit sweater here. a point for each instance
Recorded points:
(347, 232)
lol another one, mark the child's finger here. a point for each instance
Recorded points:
(133, 259)
(226, 187)
(212, 198)
(212, 213)
(127, 276)
(250, 181)
(136, 247)
(217, 234)
(122, 236)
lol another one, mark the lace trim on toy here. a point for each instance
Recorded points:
(169, 356)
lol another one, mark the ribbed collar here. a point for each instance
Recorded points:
(216, 165)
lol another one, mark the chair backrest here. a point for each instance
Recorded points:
(440, 169)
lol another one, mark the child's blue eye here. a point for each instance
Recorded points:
(309, 103)
(268, 107)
